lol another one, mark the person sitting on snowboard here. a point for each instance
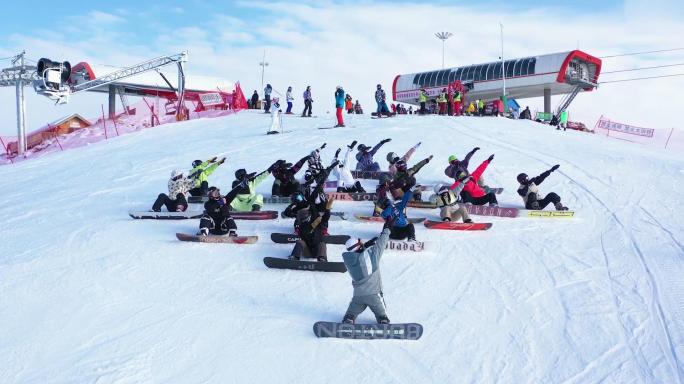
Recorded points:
(315, 166)
(297, 203)
(456, 166)
(363, 264)
(395, 218)
(314, 184)
(178, 188)
(472, 193)
(285, 183)
(200, 173)
(311, 229)
(381, 193)
(247, 199)
(365, 157)
(448, 202)
(530, 193)
(405, 178)
(216, 218)
(392, 158)
(345, 179)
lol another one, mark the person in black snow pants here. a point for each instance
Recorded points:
(308, 100)
(267, 98)
(216, 218)
(530, 193)
(363, 264)
(285, 183)
(175, 201)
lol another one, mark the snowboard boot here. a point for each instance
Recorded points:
(203, 232)
(256, 208)
(411, 239)
(417, 195)
(467, 221)
(293, 258)
(535, 205)
(180, 208)
(340, 189)
(383, 320)
(348, 319)
(560, 207)
(322, 259)
(155, 210)
(446, 219)
(232, 233)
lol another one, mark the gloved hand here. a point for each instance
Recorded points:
(352, 145)
(555, 167)
(429, 158)
(272, 167)
(337, 153)
(213, 159)
(419, 143)
(386, 141)
(476, 149)
(223, 160)
(323, 146)
(490, 158)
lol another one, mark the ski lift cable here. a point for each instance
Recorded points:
(643, 68)
(642, 53)
(642, 78)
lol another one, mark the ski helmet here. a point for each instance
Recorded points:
(353, 245)
(391, 157)
(308, 175)
(522, 178)
(452, 158)
(176, 174)
(379, 86)
(438, 188)
(214, 193)
(401, 165)
(196, 163)
(363, 147)
(240, 174)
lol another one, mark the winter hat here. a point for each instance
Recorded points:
(522, 178)
(363, 147)
(452, 158)
(214, 193)
(196, 163)
(176, 173)
(391, 157)
(240, 173)
(353, 245)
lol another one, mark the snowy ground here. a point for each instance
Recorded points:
(89, 295)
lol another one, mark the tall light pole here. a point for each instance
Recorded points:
(263, 65)
(443, 36)
(503, 72)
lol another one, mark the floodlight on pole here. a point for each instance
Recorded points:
(443, 36)
(503, 72)
(263, 65)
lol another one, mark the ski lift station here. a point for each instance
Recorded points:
(565, 73)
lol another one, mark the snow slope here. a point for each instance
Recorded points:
(89, 295)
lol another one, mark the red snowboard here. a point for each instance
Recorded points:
(457, 226)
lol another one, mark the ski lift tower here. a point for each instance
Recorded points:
(18, 76)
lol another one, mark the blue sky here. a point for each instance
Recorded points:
(355, 44)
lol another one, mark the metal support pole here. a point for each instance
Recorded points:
(547, 100)
(263, 65)
(503, 63)
(21, 111)
(180, 111)
(112, 101)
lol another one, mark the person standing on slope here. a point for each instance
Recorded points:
(285, 183)
(442, 101)
(247, 199)
(216, 219)
(255, 98)
(276, 117)
(448, 202)
(363, 264)
(308, 100)
(289, 99)
(365, 157)
(339, 104)
(348, 104)
(175, 201)
(345, 180)
(472, 193)
(200, 173)
(380, 98)
(395, 218)
(422, 99)
(392, 158)
(530, 193)
(456, 166)
(267, 98)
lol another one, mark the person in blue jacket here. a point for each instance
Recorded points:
(365, 157)
(339, 105)
(395, 218)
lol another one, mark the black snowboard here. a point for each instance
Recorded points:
(407, 331)
(322, 266)
(288, 238)
(369, 174)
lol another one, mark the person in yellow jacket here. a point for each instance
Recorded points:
(422, 98)
(200, 173)
(442, 101)
(457, 103)
(481, 107)
(247, 199)
(471, 109)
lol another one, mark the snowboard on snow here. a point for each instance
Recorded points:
(334, 215)
(331, 127)
(277, 200)
(320, 266)
(430, 187)
(288, 238)
(165, 215)
(276, 132)
(549, 214)
(344, 196)
(254, 215)
(217, 239)
(457, 226)
(373, 175)
(406, 331)
(405, 245)
(485, 210)
(379, 219)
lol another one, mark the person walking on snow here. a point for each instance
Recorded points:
(530, 193)
(216, 219)
(267, 98)
(393, 158)
(345, 180)
(472, 192)
(365, 157)
(395, 218)
(289, 99)
(448, 202)
(422, 99)
(339, 104)
(247, 199)
(456, 166)
(380, 100)
(308, 100)
(363, 264)
(200, 173)
(178, 188)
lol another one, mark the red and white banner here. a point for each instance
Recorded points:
(604, 123)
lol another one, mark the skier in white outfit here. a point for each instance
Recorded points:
(345, 180)
(276, 117)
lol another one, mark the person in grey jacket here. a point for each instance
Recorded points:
(363, 263)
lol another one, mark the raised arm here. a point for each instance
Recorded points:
(378, 145)
(413, 170)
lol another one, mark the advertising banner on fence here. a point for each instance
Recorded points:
(604, 123)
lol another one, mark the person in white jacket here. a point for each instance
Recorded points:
(345, 180)
(276, 117)
(289, 99)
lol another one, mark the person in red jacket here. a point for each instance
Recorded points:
(472, 193)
